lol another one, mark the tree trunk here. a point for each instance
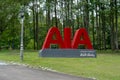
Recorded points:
(37, 39)
(112, 25)
(103, 26)
(93, 32)
(97, 27)
(48, 21)
(116, 26)
(86, 15)
(71, 13)
(56, 24)
(34, 28)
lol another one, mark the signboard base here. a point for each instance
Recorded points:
(68, 53)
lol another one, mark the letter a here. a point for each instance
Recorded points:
(81, 38)
(53, 32)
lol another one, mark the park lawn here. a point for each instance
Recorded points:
(105, 67)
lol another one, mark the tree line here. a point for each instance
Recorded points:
(101, 18)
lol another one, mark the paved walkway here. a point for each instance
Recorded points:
(15, 72)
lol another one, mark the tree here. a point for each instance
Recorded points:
(100, 18)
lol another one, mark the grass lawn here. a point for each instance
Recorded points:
(105, 67)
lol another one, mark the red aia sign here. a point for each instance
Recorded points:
(80, 38)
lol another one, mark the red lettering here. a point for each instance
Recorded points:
(67, 37)
(53, 37)
(81, 38)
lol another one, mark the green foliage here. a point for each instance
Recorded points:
(42, 34)
(30, 44)
(8, 28)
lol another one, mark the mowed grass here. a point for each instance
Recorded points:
(105, 67)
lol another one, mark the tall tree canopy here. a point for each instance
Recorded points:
(101, 18)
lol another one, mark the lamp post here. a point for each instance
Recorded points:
(21, 15)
